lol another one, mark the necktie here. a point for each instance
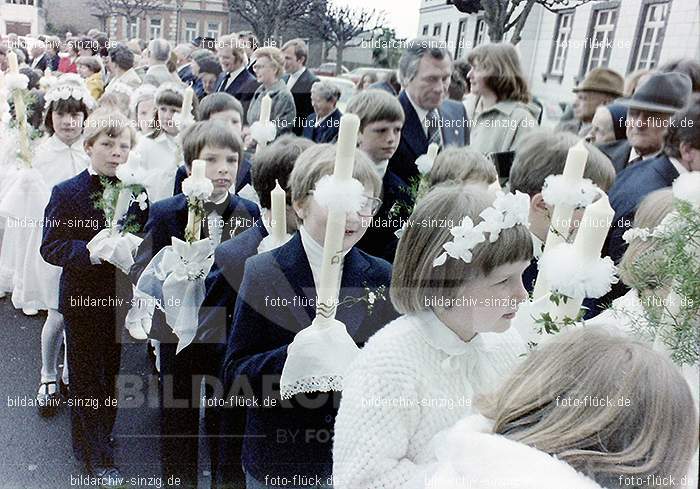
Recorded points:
(210, 207)
(432, 120)
(224, 82)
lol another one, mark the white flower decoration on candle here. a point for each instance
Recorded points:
(687, 187)
(16, 81)
(263, 132)
(344, 195)
(558, 190)
(425, 162)
(573, 277)
(197, 188)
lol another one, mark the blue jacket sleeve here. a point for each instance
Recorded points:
(57, 246)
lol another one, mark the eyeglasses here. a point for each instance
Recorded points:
(369, 206)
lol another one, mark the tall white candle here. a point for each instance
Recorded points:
(562, 214)
(265, 108)
(329, 281)
(186, 109)
(12, 64)
(199, 169)
(278, 209)
(121, 207)
(594, 228)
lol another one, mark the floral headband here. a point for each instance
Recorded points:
(170, 87)
(69, 86)
(507, 211)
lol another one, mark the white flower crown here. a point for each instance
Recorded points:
(169, 87)
(507, 211)
(69, 86)
(119, 87)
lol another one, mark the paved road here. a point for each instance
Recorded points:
(35, 453)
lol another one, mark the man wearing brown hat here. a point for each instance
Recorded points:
(600, 87)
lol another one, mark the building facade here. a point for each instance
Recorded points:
(22, 17)
(558, 49)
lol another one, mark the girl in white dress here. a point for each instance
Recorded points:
(60, 157)
(417, 376)
(590, 409)
(159, 152)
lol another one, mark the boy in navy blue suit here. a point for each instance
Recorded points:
(381, 120)
(94, 295)
(293, 439)
(227, 215)
(273, 164)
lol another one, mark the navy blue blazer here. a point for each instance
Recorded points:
(276, 301)
(618, 152)
(223, 284)
(168, 218)
(301, 92)
(70, 222)
(242, 177)
(327, 132)
(414, 142)
(186, 75)
(397, 203)
(628, 191)
(242, 87)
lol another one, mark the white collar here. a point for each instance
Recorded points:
(314, 253)
(265, 217)
(58, 144)
(634, 155)
(537, 247)
(381, 167)
(297, 73)
(677, 165)
(422, 113)
(438, 335)
(91, 170)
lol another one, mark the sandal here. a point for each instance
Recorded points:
(48, 402)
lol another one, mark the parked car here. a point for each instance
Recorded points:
(347, 89)
(356, 74)
(328, 69)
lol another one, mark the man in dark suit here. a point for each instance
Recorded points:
(235, 79)
(648, 115)
(183, 52)
(299, 80)
(40, 58)
(323, 124)
(681, 154)
(425, 69)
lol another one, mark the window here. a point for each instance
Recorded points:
(562, 37)
(22, 2)
(156, 28)
(191, 30)
(213, 29)
(460, 38)
(425, 30)
(447, 33)
(651, 35)
(437, 29)
(600, 39)
(479, 32)
(135, 29)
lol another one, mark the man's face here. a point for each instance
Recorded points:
(646, 130)
(228, 61)
(292, 64)
(429, 87)
(586, 104)
(321, 106)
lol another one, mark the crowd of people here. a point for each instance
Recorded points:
(443, 393)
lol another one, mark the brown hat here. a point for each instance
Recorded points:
(602, 80)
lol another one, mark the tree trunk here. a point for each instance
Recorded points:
(339, 57)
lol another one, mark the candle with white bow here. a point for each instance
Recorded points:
(329, 281)
(194, 224)
(265, 111)
(278, 224)
(20, 112)
(186, 109)
(562, 214)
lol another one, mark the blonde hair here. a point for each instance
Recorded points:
(275, 56)
(649, 214)
(463, 165)
(106, 121)
(506, 78)
(318, 161)
(650, 428)
(414, 280)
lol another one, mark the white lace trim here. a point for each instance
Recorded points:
(307, 385)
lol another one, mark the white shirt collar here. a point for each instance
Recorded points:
(381, 167)
(422, 113)
(438, 335)
(293, 77)
(537, 246)
(91, 170)
(677, 165)
(634, 155)
(232, 76)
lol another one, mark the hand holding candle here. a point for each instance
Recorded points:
(278, 198)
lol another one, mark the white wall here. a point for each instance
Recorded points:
(21, 13)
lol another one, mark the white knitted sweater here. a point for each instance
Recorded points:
(413, 378)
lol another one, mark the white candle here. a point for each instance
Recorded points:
(199, 169)
(433, 151)
(575, 162)
(186, 109)
(593, 229)
(278, 209)
(121, 207)
(265, 108)
(329, 281)
(12, 65)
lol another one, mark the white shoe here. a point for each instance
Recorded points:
(137, 332)
(28, 311)
(3, 295)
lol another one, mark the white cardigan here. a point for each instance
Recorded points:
(160, 156)
(469, 456)
(413, 379)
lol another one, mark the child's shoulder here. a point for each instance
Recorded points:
(170, 205)
(73, 184)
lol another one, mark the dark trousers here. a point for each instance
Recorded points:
(94, 352)
(180, 379)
